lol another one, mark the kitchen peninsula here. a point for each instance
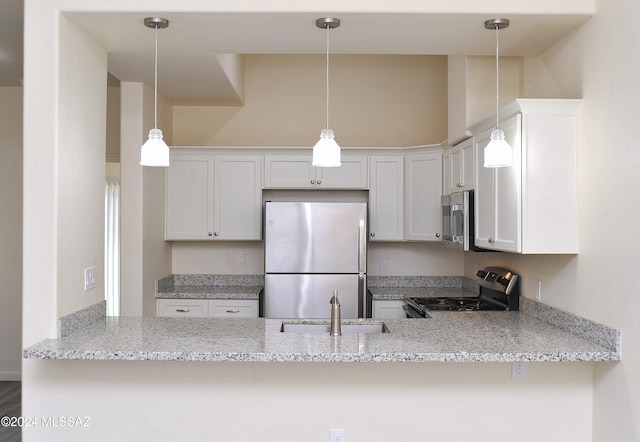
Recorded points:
(526, 335)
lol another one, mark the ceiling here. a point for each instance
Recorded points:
(192, 71)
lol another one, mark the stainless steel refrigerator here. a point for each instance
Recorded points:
(312, 249)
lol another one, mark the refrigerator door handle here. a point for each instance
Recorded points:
(362, 296)
(362, 247)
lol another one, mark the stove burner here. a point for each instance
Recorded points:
(455, 304)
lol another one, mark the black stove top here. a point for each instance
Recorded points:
(498, 290)
(456, 304)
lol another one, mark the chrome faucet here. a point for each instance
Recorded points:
(336, 329)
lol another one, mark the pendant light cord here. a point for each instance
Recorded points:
(328, 27)
(155, 84)
(497, 77)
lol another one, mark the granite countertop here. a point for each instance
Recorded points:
(447, 336)
(209, 292)
(210, 287)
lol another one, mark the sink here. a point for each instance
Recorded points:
(319, 327)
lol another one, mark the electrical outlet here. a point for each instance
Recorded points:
(384, 265)
(518, 370)
(89, 278)
(337, 435)
(240, 257)
(538, 289)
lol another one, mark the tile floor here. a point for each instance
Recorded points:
(10, 405)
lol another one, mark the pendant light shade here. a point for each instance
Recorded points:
(498, 152)
(326, 152)
(155, 151)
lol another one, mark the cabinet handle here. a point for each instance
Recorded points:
(215, 233)
(373, 234)
(319, 181)
(437, 235)
(210, 233)
(313, 182)
(233, 311)
(183, 310)
(490, 240)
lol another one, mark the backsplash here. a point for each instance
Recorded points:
(210, 280)
(415, 281)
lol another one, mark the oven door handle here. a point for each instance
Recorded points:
(411, 313)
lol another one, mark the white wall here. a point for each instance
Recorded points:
(80, 164)
(594, 63)
(293, 402)
(374, 101)
(145, 256)
(373, 400)
(11, 232)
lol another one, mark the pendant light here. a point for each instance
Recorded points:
(498, 152)
(155, 151)
(326, 152)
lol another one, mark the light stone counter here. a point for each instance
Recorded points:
(447, 336)
(210, 287)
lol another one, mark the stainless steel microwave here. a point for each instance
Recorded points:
(457, 221)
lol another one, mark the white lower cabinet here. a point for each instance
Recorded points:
(388, 309)
(207, 308)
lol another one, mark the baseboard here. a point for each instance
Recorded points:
(10, 376)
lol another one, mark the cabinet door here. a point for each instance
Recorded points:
(446, 172)
(386, 198)
(288, 172)
(388, 309)
(189, 199)
(455, 170)
(461, 168)
(467, 164)
(484, 195)
(238, 197)
(508, 192)
(498, 194)
(423, 178)
(352, 174)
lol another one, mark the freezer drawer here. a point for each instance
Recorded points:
(307, 296)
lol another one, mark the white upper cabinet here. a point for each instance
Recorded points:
(213, 196)
(422, 192)
(531, 207)
(386, 213)
(459, 170)
(189, 196)
(296, 172)
(237, 210)
(497, 195)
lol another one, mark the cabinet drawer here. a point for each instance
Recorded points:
(193, 308)
(233, 308)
